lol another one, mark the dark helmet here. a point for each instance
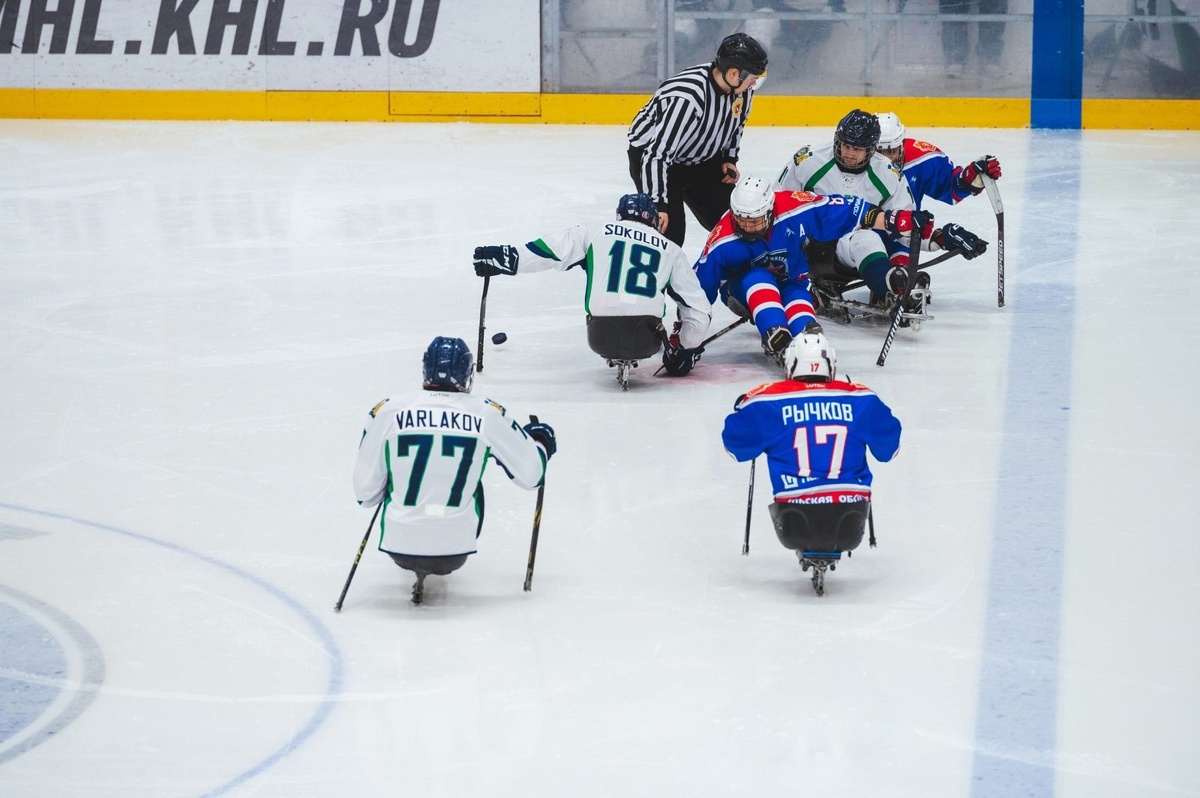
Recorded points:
(449, 365)
(742, 51)
(638, 208)
(858, 129)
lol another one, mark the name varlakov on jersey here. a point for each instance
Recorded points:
(640, 233)
(439, 419)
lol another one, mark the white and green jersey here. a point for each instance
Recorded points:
(814, 169)
(630, 269)
(423, 455)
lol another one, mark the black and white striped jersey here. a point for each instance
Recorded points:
(688, 120)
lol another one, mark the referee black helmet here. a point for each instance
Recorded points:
(742, 51)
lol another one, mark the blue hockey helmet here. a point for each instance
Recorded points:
(449, 365)
(638, 208)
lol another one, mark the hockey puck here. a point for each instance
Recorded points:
(499, 338)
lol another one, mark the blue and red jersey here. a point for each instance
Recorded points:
(815, 435)
(931, 173)
(799, 215)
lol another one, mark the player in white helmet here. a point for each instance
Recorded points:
(815, 430)
(929, 171)
(755, 258)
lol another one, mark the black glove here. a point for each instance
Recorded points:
(902, 223)
(679, 361)
(493, 260)
(953, 236)
(543, 434)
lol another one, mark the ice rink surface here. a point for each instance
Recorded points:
(196, 318)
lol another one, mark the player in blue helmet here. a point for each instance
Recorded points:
(449, 365)
(638, 208)
(423, 454)
(632, 269)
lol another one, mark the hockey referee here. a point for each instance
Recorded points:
(683, 144)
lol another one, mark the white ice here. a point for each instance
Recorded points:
(195, 319)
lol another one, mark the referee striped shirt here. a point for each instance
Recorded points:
(688, 120)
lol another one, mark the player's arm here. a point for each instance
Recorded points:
(370, 468)
(882, 430)
(695, 308)
(522, 456)
(742, 435)
(560, 251)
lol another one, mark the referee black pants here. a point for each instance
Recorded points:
(699, 187)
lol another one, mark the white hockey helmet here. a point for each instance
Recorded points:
(752, 205)
(891, 131)
(891, 138)
(810, 358)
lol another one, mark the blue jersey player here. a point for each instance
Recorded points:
(755, 257)
(815, 430)
(928, 170)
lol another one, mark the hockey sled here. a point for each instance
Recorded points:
(831, 281)
(820, 534)
(624, 340)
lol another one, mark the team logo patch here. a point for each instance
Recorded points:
(805, 196)
(923, 146)
(497, 406)
(736, 108)
(375, 409)
(801, 154)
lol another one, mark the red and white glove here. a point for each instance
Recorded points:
(902, 223)
(985, 165)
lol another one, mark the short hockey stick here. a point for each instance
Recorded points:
(537, 523)
(724, 330)
(482, 309)
(914, 248)
(749, 508)
(361, 547)
(993, 192)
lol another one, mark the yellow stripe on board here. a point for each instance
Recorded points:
(570, 109)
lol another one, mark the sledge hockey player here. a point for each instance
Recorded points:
(815, 430)
(850, 164)
(423, 455)
(631, 268)
(755, 255)
(929, 171)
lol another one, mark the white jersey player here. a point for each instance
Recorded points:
(631, 268)
(423, 455)
(851, 165)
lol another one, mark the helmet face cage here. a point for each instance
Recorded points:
(638, 208)
(752, 206)
(449, 365)
(743, 52)
(857, 129)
